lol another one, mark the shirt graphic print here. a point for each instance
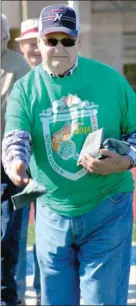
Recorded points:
(65, 127)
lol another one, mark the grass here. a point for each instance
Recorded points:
(31, 238)
(31, 235)
(134, 232)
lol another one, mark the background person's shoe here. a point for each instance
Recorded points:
(10, 303)
(38, 300)
(21, 302)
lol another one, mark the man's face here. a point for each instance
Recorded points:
(58, 59)
(30, 51)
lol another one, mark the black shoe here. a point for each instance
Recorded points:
(38, 300)
(21, 303)
(8, 303)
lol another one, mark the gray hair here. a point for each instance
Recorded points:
(5, 33)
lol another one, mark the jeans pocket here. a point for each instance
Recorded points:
(118, 197)
(50, 213)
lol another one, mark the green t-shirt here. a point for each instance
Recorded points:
(59, 113)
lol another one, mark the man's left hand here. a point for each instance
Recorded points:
(112, 163)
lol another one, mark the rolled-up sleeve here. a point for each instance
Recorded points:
(17, 142)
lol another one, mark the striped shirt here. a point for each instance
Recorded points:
(17, 146)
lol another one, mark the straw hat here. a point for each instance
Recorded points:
(29, 29)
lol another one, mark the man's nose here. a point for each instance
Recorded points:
(35, 49)
(59, 47)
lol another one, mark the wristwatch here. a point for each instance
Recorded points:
(132, 161)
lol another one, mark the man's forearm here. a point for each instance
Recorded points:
(16, 146)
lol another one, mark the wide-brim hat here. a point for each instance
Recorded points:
(29, 29)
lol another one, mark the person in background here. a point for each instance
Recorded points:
(28, 46)
(13, 67)
(28, 42)
(84, 221)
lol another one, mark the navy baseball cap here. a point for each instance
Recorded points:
(59, 18)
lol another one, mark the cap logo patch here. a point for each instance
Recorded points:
(58, 11)
(58, 17)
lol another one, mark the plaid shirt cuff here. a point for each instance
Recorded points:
(16, 146)
(131, 139)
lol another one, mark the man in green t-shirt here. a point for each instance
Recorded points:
(84, 221)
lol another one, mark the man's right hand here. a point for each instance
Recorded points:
(18, 173)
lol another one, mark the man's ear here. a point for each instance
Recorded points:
(38, 43)
(80, 40)
(21, 47)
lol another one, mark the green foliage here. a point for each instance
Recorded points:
(31, 235)
(134, 232)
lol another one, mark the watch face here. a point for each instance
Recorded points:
(131, 162)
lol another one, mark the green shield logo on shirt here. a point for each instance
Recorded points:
(65, 127)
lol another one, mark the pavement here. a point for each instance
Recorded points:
(30, 294)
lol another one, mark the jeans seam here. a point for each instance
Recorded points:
(72, 227)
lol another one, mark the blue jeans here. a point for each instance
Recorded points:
(10, 232)
(86, 256)
(22, 260)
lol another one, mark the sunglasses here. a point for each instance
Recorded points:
(66, 42)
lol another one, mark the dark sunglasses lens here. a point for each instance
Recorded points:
(68, 42)
(52, 42)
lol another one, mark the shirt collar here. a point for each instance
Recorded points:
(68, 72)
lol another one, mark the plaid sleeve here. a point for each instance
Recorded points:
(16, 146)
(131, 139)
